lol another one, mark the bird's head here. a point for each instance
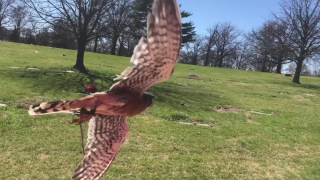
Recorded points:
(90, 88)
(148, 99)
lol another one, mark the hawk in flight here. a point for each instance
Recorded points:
(154, 61)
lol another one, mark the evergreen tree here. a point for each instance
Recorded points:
(141, 9)
(188, 29)
(140, 12)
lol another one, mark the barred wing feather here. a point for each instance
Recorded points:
(155, 57)
(105, 136)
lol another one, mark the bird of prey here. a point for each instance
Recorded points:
(154, 61)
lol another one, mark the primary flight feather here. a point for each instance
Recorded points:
(154, 61)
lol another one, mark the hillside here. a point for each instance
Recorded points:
(250, 125)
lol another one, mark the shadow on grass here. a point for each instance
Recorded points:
(58, 80)
(302, 85)
(180, 99)
(188, 99)
(310, 86)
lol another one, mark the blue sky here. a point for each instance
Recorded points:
(244, 14)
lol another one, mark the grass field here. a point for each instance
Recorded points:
(261, 126)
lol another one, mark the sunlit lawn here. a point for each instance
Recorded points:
(270, 131)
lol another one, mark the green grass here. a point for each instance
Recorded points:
(282, 143)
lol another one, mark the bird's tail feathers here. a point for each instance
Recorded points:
(52, 108)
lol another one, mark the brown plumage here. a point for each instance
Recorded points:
(90, 88)
(154, 60)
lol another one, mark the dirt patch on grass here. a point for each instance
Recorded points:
(301, 99)
(43, 157)
(227, 109)
(177, 117)
(194, 77)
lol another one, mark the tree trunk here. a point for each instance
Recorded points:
(114, 44)
(80, 57)
(279, 64)
(95, 44)
(15, 35)
(216, 62)
(129, 50)
(279, 67)
(194, 60)
(1, 35)
(206, 61)
(121, 48)
(296, 78)
(220, 62)
(264, 64)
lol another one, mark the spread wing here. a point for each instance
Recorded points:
(105, 136)
(155, 57)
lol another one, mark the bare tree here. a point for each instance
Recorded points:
(83, 17)
(191, 53)
(281, 53)
(303, 19)
(118, 22)
(60, 37)
(242, 56)
(221, 43)
(210, 38)
(4, 12)
(224, 43)
(18, 19)
(31, 30)
(306, 71)
(270, 44)
(262, 41)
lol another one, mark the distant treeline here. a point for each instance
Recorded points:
(118, 29)
(290, 39)
(266, 49)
